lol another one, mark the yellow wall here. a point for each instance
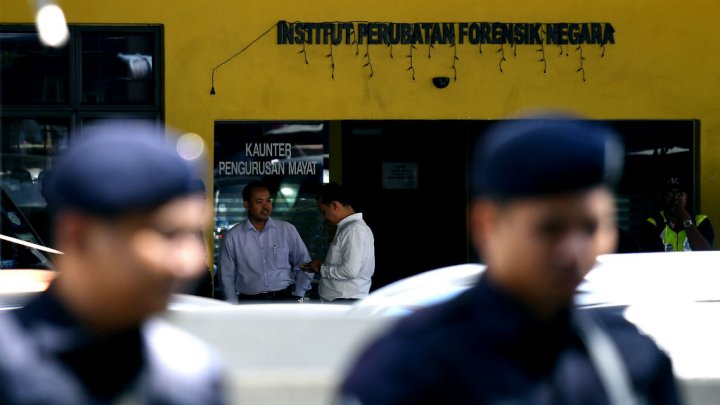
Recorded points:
(663, 66)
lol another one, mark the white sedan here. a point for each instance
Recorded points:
(297, 354)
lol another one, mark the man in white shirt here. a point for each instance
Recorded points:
(350, 262)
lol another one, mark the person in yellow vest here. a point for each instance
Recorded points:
(674, 229)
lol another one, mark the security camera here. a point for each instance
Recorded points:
(441, 82)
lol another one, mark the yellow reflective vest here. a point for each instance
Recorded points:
(674, 241)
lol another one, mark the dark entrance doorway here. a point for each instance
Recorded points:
(412, 181)
(418, 217)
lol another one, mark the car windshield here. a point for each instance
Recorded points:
(20, 247)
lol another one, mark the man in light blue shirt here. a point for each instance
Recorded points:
(261, 257)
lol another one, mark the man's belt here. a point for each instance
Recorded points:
(284, 294)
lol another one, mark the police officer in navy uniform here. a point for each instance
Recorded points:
(130, 225)
(673, 228)
(542, 211)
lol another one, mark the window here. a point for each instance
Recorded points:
(291, 158)
(47, 94)
(117, 68)
(32, 73)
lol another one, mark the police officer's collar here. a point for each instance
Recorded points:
(510, 317)
(59, 330)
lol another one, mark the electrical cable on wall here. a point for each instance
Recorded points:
(212, 79)
(389, 34)
(332, 61)
(412, 67)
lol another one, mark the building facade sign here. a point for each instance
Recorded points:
(432, 33)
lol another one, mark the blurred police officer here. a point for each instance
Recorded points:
(542, 211)
(127, 220)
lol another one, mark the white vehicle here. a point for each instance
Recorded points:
(298, 353)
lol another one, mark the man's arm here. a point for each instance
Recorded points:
(644, 360)
(298, 256)
(352, 248)
(706, 230)
(228, 269)
(697, 240)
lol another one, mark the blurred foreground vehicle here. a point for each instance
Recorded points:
(25, 265)
(672, 297)
(297, 354)
(20, 246)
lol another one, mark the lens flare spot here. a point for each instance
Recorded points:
(190, 146)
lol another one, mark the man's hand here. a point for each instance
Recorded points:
(312, 267)
(679, 214)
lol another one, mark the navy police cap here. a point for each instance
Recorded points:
(118, 167)
(545, 156)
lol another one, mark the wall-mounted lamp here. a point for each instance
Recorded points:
(51, 24)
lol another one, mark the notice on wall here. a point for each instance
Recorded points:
(400, 176)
